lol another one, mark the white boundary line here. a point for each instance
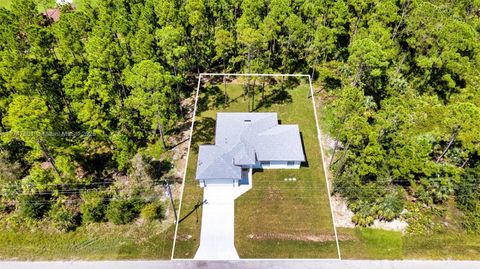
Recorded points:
(321, 151)
(186, 165)
(324, 165)
(255, 75)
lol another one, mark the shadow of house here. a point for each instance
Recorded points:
(203, 132)
(305, 163)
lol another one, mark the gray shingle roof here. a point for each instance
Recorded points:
(243, 139)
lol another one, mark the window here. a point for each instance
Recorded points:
(265, 163)
(290, 163)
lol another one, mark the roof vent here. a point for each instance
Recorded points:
(247, 121)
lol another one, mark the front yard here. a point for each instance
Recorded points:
(276, 218)
(96, 241)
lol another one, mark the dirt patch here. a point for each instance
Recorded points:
(272, 193)
(343, 215)
(301, 237)
(394, 225)
(184, 237)
(180, 140)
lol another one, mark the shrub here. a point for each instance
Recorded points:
(471, 221)
(64, 218)
(93, 207)
(123, 211)
(392, 205)
(33, 206)
(152, 211)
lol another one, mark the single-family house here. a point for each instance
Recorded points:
(246, 141)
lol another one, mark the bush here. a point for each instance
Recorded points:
(153, 211)
(33, 206)
(93, 207)
(471, 221)
(64, 218)
(123, 211)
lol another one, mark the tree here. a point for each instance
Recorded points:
(223, 45)
(93, 206)
(150, 95)
(122, 210)
(29, 119)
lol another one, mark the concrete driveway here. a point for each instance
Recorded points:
(218, 222)
(244, 264)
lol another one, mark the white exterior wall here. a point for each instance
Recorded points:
(278, 165)
(218, 182)
(258, 165)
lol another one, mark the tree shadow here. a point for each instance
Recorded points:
(291, 82)
(97, 164)
(218, 97)
(203, 132)
(162, 167)
(194, 209)
(210, 97)
(277, 96)
(332, 83)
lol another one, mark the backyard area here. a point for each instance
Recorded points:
(276, 218)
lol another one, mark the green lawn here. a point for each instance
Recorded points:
(366, 243)
(276, 219)
(99, 241)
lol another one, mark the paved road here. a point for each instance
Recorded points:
(245, 264)
(218, 223)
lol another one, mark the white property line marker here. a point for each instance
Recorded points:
(186, 165)
(324, 165)
(319, 140)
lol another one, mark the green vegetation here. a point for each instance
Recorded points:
(96, 241)
(5, 3)
(404, 114)
(123, 211)
(41, 4)
(366, 243)
(80, 122)
(275, 219)
(96, 101)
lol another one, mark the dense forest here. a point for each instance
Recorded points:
(98, 93)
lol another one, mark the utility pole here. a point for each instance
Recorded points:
(169, 190)
(248, 80)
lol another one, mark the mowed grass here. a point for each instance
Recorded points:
(99, 241)
(276, 219)
(442, 246)
(366, 243)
